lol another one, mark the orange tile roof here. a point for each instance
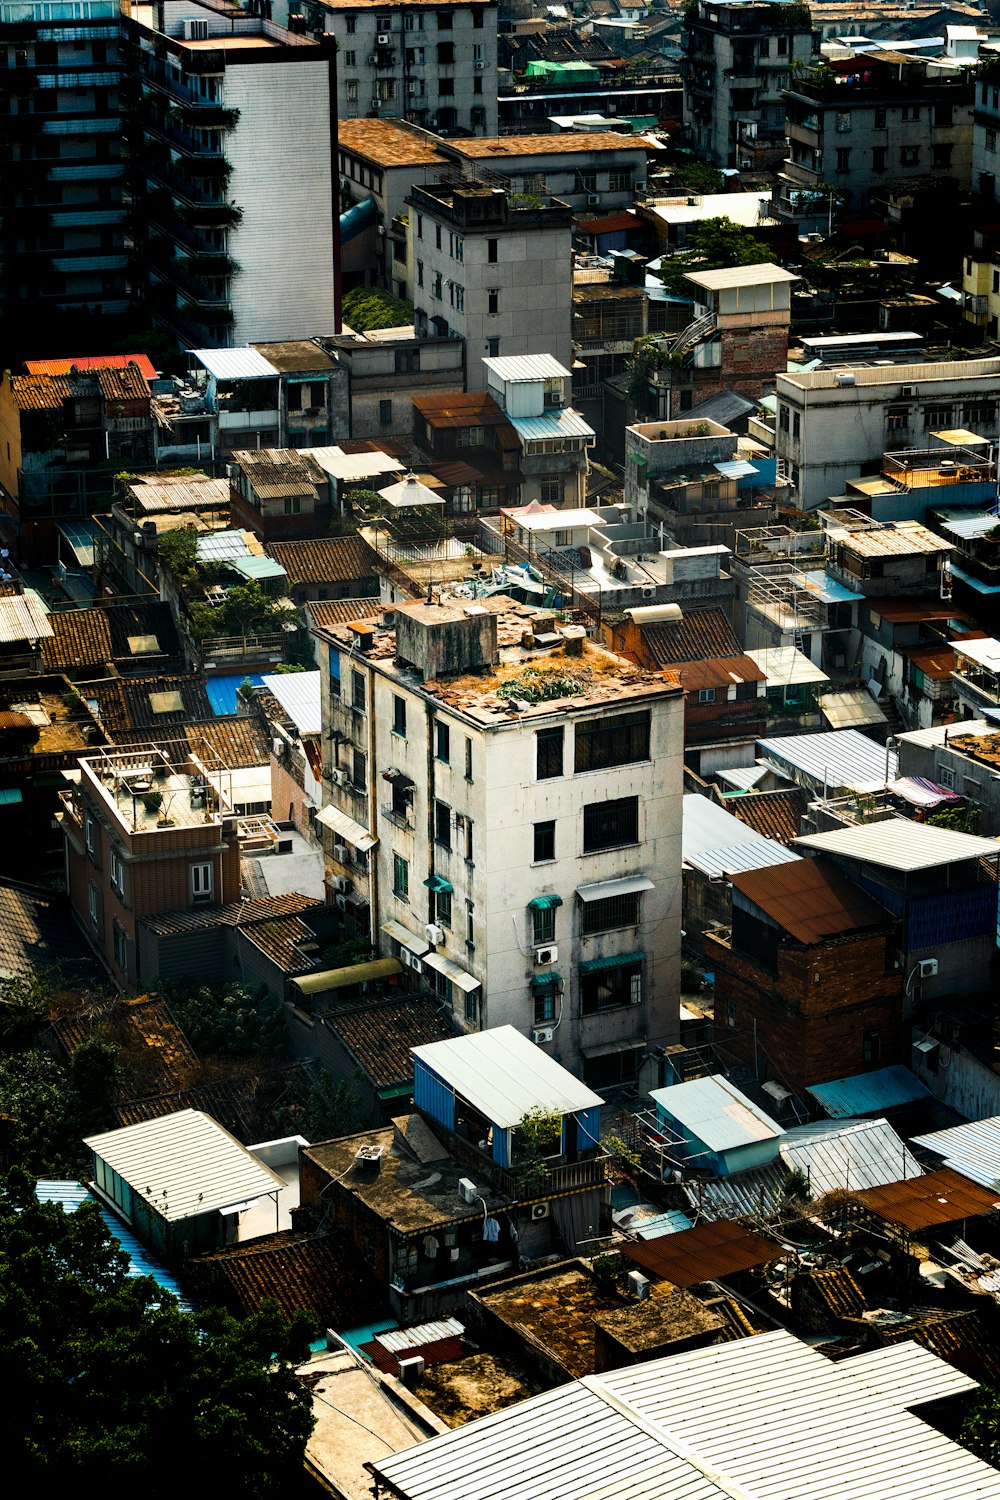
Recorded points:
(91, 362)
(80, 638)
(389, 143)
(323, 1276)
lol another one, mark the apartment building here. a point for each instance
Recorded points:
(738, 59)
(833, 425)
(533, 391)
(146, 833)
(388, 370)
(236, 138)
(492, 271)
(517, 850)
(433, 64)
(985, 128)
(61, 169)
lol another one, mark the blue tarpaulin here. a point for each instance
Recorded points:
(222, 690)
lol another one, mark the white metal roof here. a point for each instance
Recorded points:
(184, 1164)
(852, 708)
(23, 617)
(739, 276)
(466, 982)
(715, 1111)
(973, 1149)
(503, 1074)
(356, 834)
(706, 825)
(786, 666)
(986, 653)
(555, 520)
(516, 368)
(927, 739)
(299, 695)
(848, 1154)
(554, 424)
(900, 844)
(755, 855)
(837, 759)
(235, 364)
(742, 777)
(907, 1374)
(761, 1418)
(349, 467)
(603, 890)
(962, 523)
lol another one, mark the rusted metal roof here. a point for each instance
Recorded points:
(941, 1197)
(718, 672)
(343, 611)
(273, 472)
(238, 914)
(704, 1253)
(474, 409)
(811, 901)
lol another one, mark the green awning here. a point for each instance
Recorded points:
(439, 884)
(397, 1091)
(615, 961)
(542, 982)
(544, 903)
(10, 796)
(638, 459)
(338, 979)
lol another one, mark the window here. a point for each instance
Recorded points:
(293, 505)
(909, 156)
(944, 116)
(706, 695)
(359, 771)
(201, 882)
(491, 251)
(610, 825)
(351, 91)
(493, 300)
(385, 413)
(545, 1005)
(420, 273)
(477, 53)
(879, 154)
(946, 778)
(549, 753)
(400, 877)
(119, 939)
(413, 22)
(436, 286)
(442, 824)
(445, 54)
(116, 869)
(446, 89)
(350, 59)
(399, 716)
(93, 906)
(585, 182)
(493, 348)
(468, 760)
(352, 25)
(991, 140)
(611, 913)
(359, 691)
(442, 908)
(470, 924)
(940, 158)
(468, 825)
(471, 1007)
(843, 121)
(543, 925)
(937, 416)
(871, 1044)
(897, 418)
(610, 989)
(880, 118)
(477, 20)
(459, 298)
(445, 20)
(458, 248)
(783, 418)
(551, 493)
(89, 835)
(911, 111)
(844, 159)
(545, 841)
(616, 741)
(796, 425)
(420, 226)
(620, 182)
(442, 742)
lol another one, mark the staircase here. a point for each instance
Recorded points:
(895, 720)
(693, 334)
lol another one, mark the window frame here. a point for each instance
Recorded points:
(200, 885)
(551, 737)
(544, 836)
(612, 740)
(607, 815)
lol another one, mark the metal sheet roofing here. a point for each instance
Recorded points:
(811, 903)
(704, 1253)
(715, 1111)
(973, 1149)
(514, 369)
(737, 468)
(851, 1154)
(869, 1093)
(351, 467)
(901, 844)
(941, 1197)
(223, 546)
(927, 739)
(500, 1072)
(140, 1263)
(907, 1374)
(234, 364)
(961, 523)
(852, 708)
(299, 695)
(986, 652)
(23, 617)
(706, 825)
(554, 424)
(755, 855)
(91, 362)
(838, 760)
(739, 276)
(603, 890)
(184, 1164)
(258, 567)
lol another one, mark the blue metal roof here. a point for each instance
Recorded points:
(869, 1093)
(222, 691)
(140, 1263)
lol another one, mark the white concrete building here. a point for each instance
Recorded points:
(519, 852)
(497, 275)
(533, 391)
(832, 424)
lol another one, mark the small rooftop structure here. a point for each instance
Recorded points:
(731, 278)
(514, 369)
(786, 666)
(717, 1112)
(900, 844)
(936, 1198)
(705, 1253)
(812, 902)
(409, 492)
(299, 696)
(235, 364)
(23, 618)
(973, 1149)
(503, 1074)
(869, 1093)
(833, 762)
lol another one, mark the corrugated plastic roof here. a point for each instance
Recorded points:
(299, 695)
(715, 1111)
(869, 1093)
(755, 855)
(812, 902)
(941, 1197)
(907, 1374)
(554, 424)
(706, 825)
(23, 618)
(234, 364)
(503, 1074)
(901, 844)
(840, 759)
(184, 1164)
(513, 369)
(222, 546)
(973, 1149)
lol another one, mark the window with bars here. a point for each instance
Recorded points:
(609, 825)
(549, 748)
(543, 925)
(611, 989)
(617, 741)
(610, 913)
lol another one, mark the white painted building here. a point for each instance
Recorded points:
(831, 424)
(521, 855)
(534, 391)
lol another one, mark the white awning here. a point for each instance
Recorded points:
(405, 939)
(603, 890)
(453, 971)
(355, 834)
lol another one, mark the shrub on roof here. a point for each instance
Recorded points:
(367, 307)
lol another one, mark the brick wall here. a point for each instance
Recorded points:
(750, 357)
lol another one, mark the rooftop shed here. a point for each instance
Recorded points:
(716, 1127)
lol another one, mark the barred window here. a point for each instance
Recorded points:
(609, 825)
(612, 742)
(611, 989)
(613, 912)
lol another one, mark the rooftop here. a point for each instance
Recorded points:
(908, 1375)
(869, 1093)
(705, 1253)
(555, 1308)
(774, 815)
(811, 901)
(553, 144)
(708, 826)
(325, 560)
(381, 1037)
(716, 1112)
(36, 930)
(900, 844)
(752, 855)
(941, 1197)
(91, 362)
(972, 1149)
(700, 633)
(389, 143)
(838, 759)
(298, 693)
(473, 409)
(326, 612)
(23, 620)
(894, 539)
(520, 369)
(235, 364)
(274, 472)
(739, 276)
(787, 666)
(297, 355)
(146, 791)
(127, 704)
(505, 1075)
(318, 1275)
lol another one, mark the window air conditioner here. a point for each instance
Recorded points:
(416, 964)
(195, 31)
(593, 199)
(405, 956)
(340, 903)
(434, 933)
(908, 390)
(649, 592)
(342, 884)
(479, 67)
(542, 1034)
(339, 778)
(546, 955)
(467, 1190)
(340, 853)
(375, 104)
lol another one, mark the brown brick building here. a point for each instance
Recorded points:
(805, 985)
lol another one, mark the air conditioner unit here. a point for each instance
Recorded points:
(640, 187)
(649, 592)
(593, 199)
(928, 968)
(195, 31)
(467, 1190)
(339, 778)
(416, 964)
(278, 747)
(376, 103)
(638, 1285)
(480, 67)
(340, 853)
(539, 1210)
(434, 933)
(908, 390)
(413, 89)
(341, 884)
(340, 902)
(542, 1034)
(383, 40)
(405, 957)
(380, 231)
(546, 955)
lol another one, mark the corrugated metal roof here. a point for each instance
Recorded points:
(907, 1374)
(715, 1111)
(554, 424)
(840, 759)
(23, 617)
(756, 855)
(743, 777)
(299, 695)
(928, 739)
(852, 1155)
(961, 523)
(704, 1253)
(258, 567)
(869, 1093)
(356, 834)
(901, 844)
(706, 826)
(986, 653)
(398, 1340)
(503, 1074)
(854, 708)
(234, 364)
(941, 1197)
(973, 1149)
(742, 1195)
(222, 546)
(349, 467)
(184, 1164)
(514, 368)
(739, 276)
(91, 362)
(140, 1263)
(811, 903)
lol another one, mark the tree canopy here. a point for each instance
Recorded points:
(367, 307)
(107, 1381)
(711, 245)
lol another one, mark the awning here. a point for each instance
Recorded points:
(614, 961)
(438, 884)
(737, 468)
(544, 903)
(399, 777)
(638, 459)
(927, 1045)
(920, 792)
(603, 890)
(355, 834)
(399, 934)
(542, 982)
(453, 971)
(338, 979)
(10, 796)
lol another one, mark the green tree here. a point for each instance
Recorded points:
(178, 551)
(109, 1383)
(367, 307)
(233, 1022)
(712, 245)
(981, 1429)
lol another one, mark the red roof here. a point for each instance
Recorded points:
(610, 224)
(91, 362)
